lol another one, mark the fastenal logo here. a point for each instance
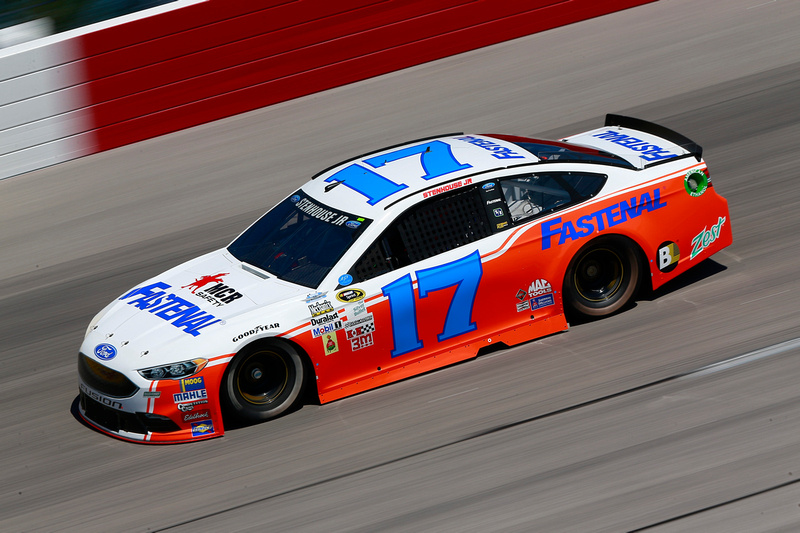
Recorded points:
(105, 352)
(706, 237)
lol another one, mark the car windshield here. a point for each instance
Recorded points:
(299, 240)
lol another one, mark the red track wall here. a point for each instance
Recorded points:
(204, 62)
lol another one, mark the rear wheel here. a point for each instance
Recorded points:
(603, 277)
(263, 380)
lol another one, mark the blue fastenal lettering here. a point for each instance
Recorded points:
(549, 230)
(608, 216)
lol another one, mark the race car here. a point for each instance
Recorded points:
(396, 263)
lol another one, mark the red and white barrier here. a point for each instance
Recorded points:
(194, 61)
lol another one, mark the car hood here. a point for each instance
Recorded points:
(185, 312)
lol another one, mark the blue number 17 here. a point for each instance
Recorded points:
(465, 274)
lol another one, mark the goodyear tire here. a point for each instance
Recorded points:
(263, 380)
(603, 277)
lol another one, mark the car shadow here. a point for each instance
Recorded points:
(703, 270)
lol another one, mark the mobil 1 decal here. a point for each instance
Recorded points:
(668, 256)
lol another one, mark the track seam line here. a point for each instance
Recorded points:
(714, 367)
(716, 506)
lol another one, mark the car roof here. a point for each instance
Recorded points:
(367, 185)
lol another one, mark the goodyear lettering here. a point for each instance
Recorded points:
(600, 220)
(706, 237)
(179, 312)
(255, 330)
(498, 151)
(649, 152)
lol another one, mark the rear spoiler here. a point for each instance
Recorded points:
(654, 129)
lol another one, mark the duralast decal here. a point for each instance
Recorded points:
(350, 295)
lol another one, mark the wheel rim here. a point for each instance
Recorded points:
(262, 377)
(599, 275)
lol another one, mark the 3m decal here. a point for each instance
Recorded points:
(706, 237)
(350, 295)
(605, 218)
(179, 312)
(647, 151)
(465, 274)
(202, 428)
(105, 351)
(695, 182)
(668, 256)
(436, 158)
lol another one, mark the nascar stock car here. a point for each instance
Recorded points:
(395, 263)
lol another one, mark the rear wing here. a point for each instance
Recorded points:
(641, 143)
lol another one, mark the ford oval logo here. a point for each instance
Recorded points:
(487, 186)
(352, 224)
(105, 352)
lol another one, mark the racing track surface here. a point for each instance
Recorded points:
(607, 427)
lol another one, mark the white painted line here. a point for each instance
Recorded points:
(769, 296)
(456, 394)
(762, 353)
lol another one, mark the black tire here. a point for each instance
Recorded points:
(603, 277)
(263, 380)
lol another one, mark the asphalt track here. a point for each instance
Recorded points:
(611, 426)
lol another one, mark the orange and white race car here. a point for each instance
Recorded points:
(398, 262)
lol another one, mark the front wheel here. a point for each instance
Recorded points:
(263, 381)
(602, 278)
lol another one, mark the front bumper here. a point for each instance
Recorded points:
(166, 411)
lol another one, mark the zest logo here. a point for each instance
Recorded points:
(706, 237)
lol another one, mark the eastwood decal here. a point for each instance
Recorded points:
(500, 152)
(668, 256)
(350, 295)
(179, 312)
(607, 217)
(706, 237)
(197, 416)
(648, 152)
